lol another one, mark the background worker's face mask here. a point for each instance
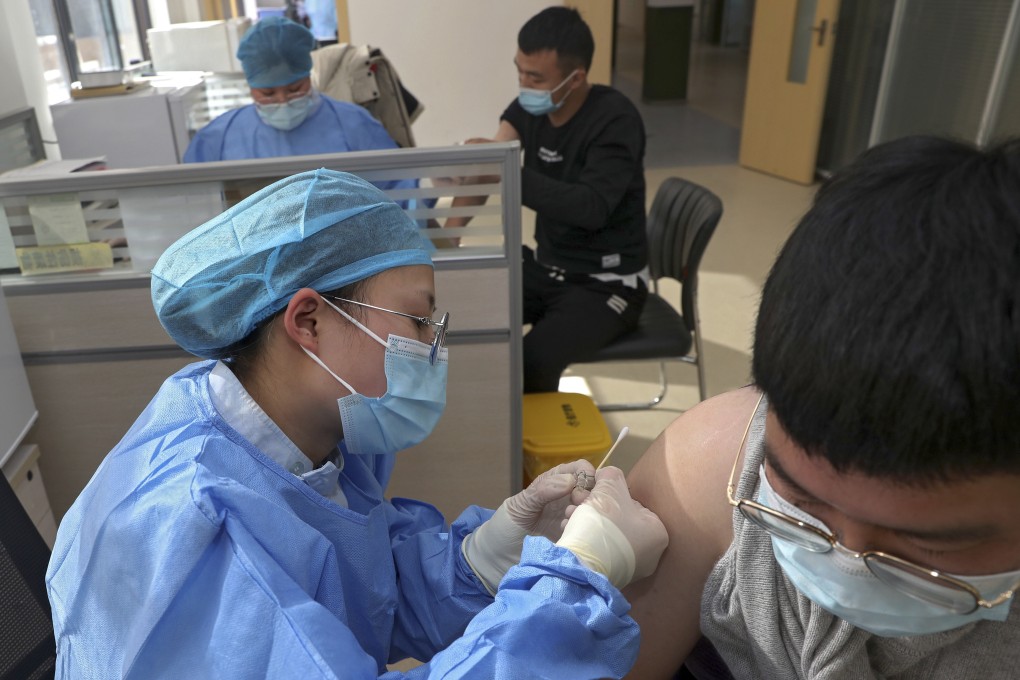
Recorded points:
(540, 102)
(290, 114)
(843, 585)
(409, 410)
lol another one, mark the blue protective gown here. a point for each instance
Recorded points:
(333, 127)
(193, 554)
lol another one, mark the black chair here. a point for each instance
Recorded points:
(681, 222)
(704, 663)
(27, 648)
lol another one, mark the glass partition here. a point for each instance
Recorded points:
(116, 223)
(222, 92)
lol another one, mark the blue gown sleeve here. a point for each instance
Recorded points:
(550, 614)
(551, 618)
(438, 593)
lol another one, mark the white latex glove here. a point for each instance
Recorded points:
(539, 510)
(612, 533)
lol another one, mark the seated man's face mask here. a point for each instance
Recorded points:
(289, 114)
(540, 102)
(409, 410)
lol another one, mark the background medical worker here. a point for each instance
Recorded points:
(289, 117)
(240, 528)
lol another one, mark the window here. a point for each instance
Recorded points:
(85, 36)
(47, 37)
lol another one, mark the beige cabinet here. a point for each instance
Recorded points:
(23, 474)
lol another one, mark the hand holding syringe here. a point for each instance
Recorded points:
(600, 523)
(612, 533)
(586, 481)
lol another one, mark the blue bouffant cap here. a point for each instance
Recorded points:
(321, 230)
(276, 51)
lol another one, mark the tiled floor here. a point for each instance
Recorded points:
(699, 140)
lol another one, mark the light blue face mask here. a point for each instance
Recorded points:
(409, 410)
(540, 102)
(844, 586)
(290, 114)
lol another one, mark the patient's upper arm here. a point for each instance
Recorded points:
(682, 478)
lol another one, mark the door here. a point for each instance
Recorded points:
(791, 51)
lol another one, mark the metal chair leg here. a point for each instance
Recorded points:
(663, 385)
(641, 406)
(699, 365)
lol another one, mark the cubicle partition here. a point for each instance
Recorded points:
(95, 353)
(20, 141)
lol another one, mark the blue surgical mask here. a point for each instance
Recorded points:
(844, 586)
(409, 410)
(290, 114)
(539, 102)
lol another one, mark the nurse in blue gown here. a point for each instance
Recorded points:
(241, 530)
(289, 117)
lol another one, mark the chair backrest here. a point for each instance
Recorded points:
(681, 222)
(27, 647)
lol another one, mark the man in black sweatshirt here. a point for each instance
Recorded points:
(583, 175)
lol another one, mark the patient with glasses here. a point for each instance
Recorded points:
(855, 512)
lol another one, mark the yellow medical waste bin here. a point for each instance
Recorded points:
(560, 427)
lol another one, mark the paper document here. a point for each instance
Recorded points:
(69, 258)
(57, 219)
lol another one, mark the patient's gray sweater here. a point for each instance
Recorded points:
(765, 629)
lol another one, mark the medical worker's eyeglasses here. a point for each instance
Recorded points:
(440, 337)
(922, 583)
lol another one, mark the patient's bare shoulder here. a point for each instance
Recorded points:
(685, 470)
(682, 478)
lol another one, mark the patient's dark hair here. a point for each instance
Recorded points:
(561, 29)
(888, 337)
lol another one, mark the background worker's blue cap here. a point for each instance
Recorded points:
(321, 230)
(276, 51)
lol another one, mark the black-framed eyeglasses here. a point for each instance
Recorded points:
(920, 582)
(438, 341)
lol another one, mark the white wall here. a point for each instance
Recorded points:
(159, 13)
(456, 56)
(21, 72)
(181, 11)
